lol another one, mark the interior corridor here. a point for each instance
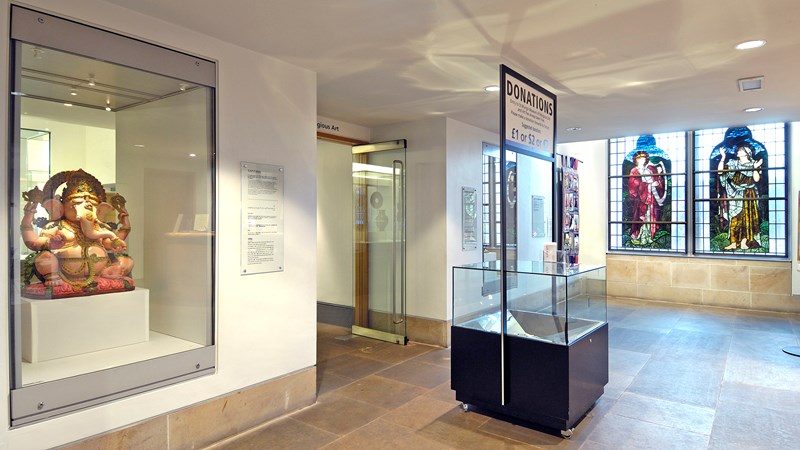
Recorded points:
(681, 377)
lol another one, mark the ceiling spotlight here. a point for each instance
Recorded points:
(747, 45)
(37, 52)
(492, 88)
(753, 109)
(73, 92)
(183, 86)
(92, 80)
(67, 104)
(574, 129)
(192, 155)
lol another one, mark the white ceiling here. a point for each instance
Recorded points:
(618, 67)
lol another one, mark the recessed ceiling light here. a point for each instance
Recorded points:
(574, 129)
(67, 104)
(139, 145)
(753, 109)
(747, 45)
(492, 88)
(192, 155)
(92, 80)
(73, 92)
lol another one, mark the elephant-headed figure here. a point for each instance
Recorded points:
(76, 253)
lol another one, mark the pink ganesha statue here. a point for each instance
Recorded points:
(76, 253)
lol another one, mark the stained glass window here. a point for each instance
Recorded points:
(647, 185)
(740, 190)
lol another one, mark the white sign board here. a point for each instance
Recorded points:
(262, 218)
(529, 114)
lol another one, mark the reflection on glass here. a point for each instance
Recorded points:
(553, 302)
(102, 183)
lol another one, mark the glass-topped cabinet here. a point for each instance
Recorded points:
(544, 359)
(551, 302)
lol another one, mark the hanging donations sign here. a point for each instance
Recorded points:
(262, 218)
(528, 113)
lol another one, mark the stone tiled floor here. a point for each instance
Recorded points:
(681, 377)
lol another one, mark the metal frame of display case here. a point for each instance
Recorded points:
(535, 371)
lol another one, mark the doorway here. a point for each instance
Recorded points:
(361, 235)
(379, 240)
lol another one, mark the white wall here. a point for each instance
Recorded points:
(267, 322)
(334, 223)
(464, 169)
(593, 193)
(427, 268)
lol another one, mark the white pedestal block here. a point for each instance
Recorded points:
(72, 326)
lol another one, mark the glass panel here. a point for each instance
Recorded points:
(535, 182)
(379, 237)
(740, 195)
(552, 302)
(117, 217)
(646, 192)
(476, 297)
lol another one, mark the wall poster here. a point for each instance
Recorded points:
(469, 219)
(262, 218)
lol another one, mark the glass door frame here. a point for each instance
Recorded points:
(361, 263)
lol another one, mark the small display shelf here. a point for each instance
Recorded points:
(549, 364)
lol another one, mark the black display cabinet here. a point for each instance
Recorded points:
(548, 363)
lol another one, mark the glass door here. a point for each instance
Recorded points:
(379, 237)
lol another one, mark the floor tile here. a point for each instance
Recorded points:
(652, 319)
(419, 412)
(626, 433)
(634, 340)
(522, 434)
(625, 362)
(617, 384)
(766, 366)
(339, 414)
(394, 353)
(443, 392)
(703, 320)
(673, 380)
(684, 377)
(696, 419)
(286, 433)
(768, 322)
(351, 366)
(327, 350)
(439, 357)
(459, 429)
(383, 435)
(761, 397)
(329, 382)
(381, 392)
(743, 426)
(417, 373)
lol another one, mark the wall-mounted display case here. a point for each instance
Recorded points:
(109, 295)
(542, 357)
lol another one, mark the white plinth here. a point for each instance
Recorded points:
(72, 326)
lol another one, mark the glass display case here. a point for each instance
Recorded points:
(110, 295)
(542, 355)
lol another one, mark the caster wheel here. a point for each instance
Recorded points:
(566, 434)
(465, 407)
